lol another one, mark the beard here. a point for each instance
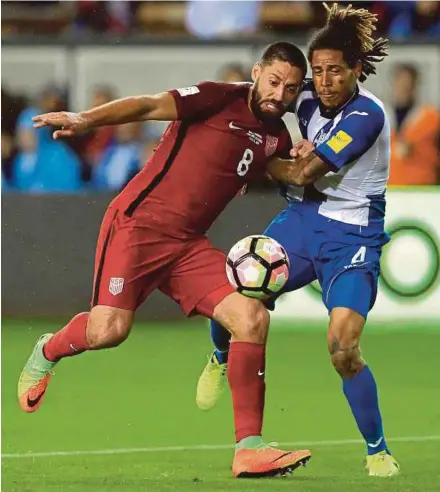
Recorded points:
(256, 106)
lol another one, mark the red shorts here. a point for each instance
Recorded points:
(133, 259)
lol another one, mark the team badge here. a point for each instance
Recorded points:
(116, 285)
(271, 145)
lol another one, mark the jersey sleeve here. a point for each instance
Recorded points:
(199, 101)
(352, 136)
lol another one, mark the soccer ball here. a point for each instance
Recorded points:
(257, 266)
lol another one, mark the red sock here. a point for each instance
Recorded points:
(71, 340)
(246, 366)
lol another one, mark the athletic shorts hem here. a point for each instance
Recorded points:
(207, 304)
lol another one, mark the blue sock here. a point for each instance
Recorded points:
(361, 393)
(220, 338)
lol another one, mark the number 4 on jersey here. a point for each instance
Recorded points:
(359, 257)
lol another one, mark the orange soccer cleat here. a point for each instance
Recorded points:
(267, 462)
(35, 377)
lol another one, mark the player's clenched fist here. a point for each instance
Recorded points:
(70, 123)
(302, 149)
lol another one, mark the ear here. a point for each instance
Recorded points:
(358, 70)
(256, 72)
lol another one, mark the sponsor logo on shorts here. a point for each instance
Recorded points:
(116, 285)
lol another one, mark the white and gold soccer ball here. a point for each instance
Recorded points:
(257, 266)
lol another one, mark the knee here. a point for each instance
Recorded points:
(347, 361)
(344, 347)
(254, 323)
(107, 331)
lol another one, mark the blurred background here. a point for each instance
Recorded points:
(70, 55)
(75, 55)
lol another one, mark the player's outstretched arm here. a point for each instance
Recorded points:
(136, 108)
(299, 172)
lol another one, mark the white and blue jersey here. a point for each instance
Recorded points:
(333, 230)
(355, 142)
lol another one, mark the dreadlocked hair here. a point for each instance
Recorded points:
(351, 31)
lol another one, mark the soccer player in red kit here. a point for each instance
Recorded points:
(153, 233)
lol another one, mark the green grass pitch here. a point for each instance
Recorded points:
(141, 395)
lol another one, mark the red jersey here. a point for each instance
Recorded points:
(203, 159)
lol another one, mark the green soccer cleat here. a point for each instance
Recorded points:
(35, 377)
(211, 383)
(382, 465)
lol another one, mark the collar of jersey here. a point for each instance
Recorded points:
(332, 112)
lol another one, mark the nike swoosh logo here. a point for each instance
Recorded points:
(374, 445)
(360, 113)
(261, 373)
(233, 127)
(33, 403)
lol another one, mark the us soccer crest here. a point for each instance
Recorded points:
(116, 285)
(271, 145)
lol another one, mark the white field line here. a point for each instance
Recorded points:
(206, 447)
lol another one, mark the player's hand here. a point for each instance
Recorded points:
(69, 123)
(302, 149)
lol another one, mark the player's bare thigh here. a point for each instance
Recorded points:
(247, 319)
(108, 326)
(128, 267)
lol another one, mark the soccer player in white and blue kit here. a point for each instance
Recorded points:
(333, 225)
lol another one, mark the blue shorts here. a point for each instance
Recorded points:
(344, 258)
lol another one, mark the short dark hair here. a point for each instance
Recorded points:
(286, 52)
(351, 31)
(407, 67)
